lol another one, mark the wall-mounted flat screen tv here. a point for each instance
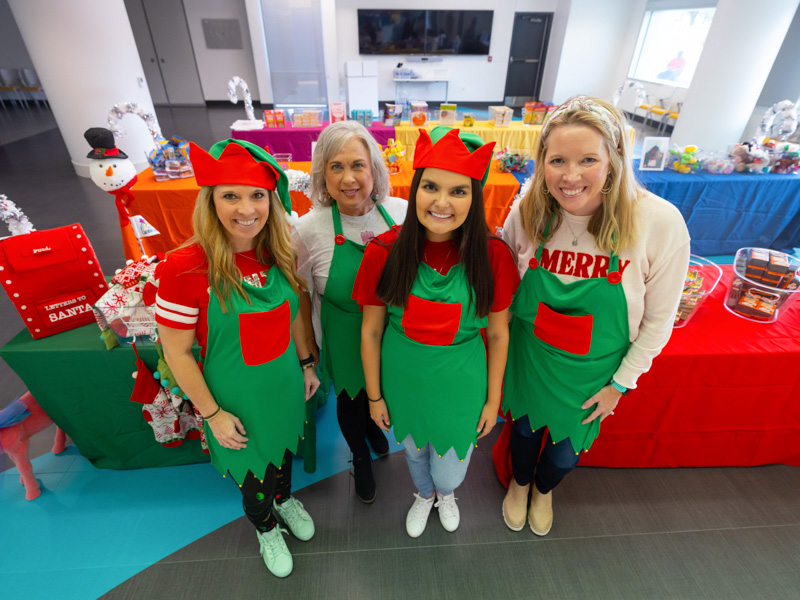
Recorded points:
(424, 31)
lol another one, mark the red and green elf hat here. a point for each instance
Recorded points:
(236, 162)
(454, 150)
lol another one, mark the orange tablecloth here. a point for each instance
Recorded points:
(168, 205)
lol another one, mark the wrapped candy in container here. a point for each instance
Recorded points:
(701, 279)
(170, 159)
(765, 284)
(127, 309)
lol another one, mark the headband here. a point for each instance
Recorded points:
(237, 162)
(585, 103)
(452, 150)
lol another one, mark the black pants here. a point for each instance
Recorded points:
(547, 468)
(354, 419)
(257, 495)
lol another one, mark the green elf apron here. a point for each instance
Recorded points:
(340, 315)
(252, 370)
(435, 386)
(566, 342)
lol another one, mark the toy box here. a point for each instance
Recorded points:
(500, 116)
(418, 113)
(447, 114)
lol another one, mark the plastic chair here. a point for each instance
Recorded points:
(32, 86)
(665, 121)
(11, 87)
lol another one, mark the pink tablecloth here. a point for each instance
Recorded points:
(297, 140)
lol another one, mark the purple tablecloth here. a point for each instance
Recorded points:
(297, 140)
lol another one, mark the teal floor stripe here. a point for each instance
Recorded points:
(91, 529)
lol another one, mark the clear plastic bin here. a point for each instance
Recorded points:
(702, 277)
(764, 286)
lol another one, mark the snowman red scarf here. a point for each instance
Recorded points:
(123, 198)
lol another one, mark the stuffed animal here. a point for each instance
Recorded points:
(24, 418)
(749, 158)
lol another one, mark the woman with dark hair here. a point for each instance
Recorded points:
(440, 279)
(234, 287)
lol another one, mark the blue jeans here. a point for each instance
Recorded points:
(547, 468)
(431, 472)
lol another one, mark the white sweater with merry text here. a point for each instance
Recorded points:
(653, 272)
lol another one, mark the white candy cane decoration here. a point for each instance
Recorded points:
(787, 111)
(248, 100)
(123, 108)
(13, 217)
(641, 92)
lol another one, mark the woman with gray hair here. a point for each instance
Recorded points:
(350, 192)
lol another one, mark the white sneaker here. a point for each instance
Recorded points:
(448, 511)
(296, 518)
(275, 553)
(418, 515)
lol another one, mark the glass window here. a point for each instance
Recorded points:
(669, 46)
(293, 29)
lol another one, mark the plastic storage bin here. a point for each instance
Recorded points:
(702, 277)
(764, 286)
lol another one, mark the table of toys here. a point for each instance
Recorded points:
(296, 137)
(167, 205)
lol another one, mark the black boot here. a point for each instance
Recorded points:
(365, 482)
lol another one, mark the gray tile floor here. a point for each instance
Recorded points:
(716, 533)
(618, 534)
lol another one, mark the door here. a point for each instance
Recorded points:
(165, 49)
(526, 62)
(147, 52)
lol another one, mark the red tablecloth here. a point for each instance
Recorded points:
(297, 140)
(724, 392)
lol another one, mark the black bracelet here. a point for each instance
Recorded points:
(378, 400)
(307, 361)
(212, 415)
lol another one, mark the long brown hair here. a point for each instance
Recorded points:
(273, 247)
(400, 271)
(613, 225)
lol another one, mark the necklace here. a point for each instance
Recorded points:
(444, 262)
(575, 238)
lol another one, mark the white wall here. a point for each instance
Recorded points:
(216, 67)
(472, 78)
(13, 54)
(83, 84)
(591, 50)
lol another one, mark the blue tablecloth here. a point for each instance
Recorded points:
(728, 212)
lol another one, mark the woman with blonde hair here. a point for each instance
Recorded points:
(350, 191)
(234, 287)
(602, 264)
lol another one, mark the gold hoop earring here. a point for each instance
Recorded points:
(545, 191)
(610, 187)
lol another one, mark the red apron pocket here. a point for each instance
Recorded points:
(431, 323)
(265, 335)
(567, 333)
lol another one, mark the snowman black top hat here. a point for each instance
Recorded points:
(102, 142)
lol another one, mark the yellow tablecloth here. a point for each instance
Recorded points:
(517, 137)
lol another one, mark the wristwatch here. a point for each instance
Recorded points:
(307, 361)
(620, 388)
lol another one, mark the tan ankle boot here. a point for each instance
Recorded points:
(515, 505)
(540, 515)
